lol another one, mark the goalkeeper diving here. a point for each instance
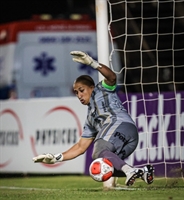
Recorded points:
(107, 125)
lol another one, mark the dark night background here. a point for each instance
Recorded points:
(24, 10)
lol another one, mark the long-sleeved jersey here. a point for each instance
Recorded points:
(105, 113)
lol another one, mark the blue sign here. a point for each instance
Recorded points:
(44, 64)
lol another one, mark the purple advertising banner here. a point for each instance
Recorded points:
(160, 122)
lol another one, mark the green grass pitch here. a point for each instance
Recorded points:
(78, 187)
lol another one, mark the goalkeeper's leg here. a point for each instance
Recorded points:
(122, 168)
(104, 149)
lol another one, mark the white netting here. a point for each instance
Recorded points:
(149, 38)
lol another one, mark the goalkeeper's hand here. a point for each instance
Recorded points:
(84, 58)
(48, 158)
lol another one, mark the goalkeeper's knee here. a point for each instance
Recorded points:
(101, 145)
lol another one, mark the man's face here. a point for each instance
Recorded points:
(83, 92)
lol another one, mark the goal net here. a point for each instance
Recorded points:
(148, 38)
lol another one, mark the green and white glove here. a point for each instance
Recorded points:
(48, 158)
(84, 58)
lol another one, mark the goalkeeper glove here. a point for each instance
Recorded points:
(48, 158)
(84, 58)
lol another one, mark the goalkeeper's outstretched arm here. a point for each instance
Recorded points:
(76, 150)
(81, 57)
(110, 76)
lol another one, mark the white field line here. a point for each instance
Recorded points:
(47, 189)
(123, 188)
(24, 188)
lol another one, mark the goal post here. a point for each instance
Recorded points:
(102, 33)
(148, 37)
(103, 52)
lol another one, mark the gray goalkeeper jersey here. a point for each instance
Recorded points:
(105, 114)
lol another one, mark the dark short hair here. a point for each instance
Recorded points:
(86, 80)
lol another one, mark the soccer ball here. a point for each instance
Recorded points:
(101, 169)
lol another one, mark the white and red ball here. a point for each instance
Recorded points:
(101, 169)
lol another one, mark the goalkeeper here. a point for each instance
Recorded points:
(108, 125)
